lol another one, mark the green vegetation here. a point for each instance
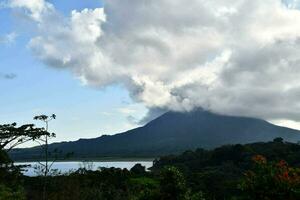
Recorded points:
(220, 173)
(275, 180)
(261, 170)
(252, 171)
(11, 179)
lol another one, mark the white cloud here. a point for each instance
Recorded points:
(8, 38)
(36, 9)
(287, 123)
(126, 110)
(106, 113)
(234, 57)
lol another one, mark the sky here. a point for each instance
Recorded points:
(29, 87)
(104, 67)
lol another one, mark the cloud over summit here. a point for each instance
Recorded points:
(234, 57)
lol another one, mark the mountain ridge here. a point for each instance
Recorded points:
(171, 133)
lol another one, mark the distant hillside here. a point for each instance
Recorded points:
(173, 132)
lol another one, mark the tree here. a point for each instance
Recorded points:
(138, 169)
(11, 194)
(278, 140)
(271, 181)
(172, 184)
(12, 136)
(43, 141)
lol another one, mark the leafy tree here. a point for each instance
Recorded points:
(9, 194)
(44, 142)
(271, 180)
(172, 184)
(138, 169)
(279, 140)
(144, 188)
(4, 159)
(12, 136)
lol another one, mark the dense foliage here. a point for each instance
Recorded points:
(219, 172)
(275, 180)
(10, 179)
(12, 136)
(252, 171)
(11, 184)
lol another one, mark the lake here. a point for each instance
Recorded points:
(65, 167)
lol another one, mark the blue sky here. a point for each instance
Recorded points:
(82, 112)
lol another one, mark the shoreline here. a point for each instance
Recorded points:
(91, 160)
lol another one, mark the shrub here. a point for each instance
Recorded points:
(271, 180)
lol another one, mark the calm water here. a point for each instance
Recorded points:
(64, 167)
